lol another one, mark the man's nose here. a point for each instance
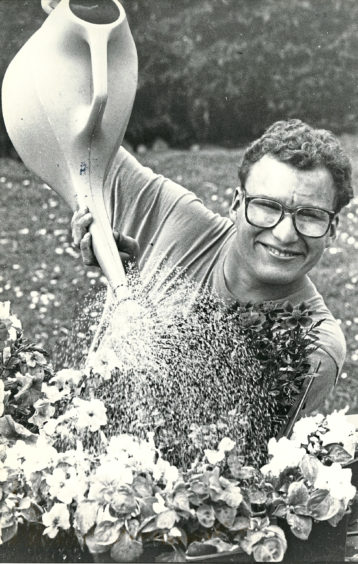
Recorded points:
(285, 230)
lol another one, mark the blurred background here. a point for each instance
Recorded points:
(213, 74)
(220, 71)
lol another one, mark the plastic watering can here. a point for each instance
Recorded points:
(67, 98)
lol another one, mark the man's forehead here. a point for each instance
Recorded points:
(276, 179)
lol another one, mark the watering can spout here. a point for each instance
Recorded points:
(67, 97)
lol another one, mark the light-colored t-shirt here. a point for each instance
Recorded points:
(178, 236)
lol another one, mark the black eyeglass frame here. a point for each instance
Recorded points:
(291, 211)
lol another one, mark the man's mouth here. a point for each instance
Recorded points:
(281, 252)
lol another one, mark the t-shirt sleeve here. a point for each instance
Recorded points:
(165, 218)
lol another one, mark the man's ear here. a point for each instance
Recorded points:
(236, 201)
(332, 234)
(49, 5)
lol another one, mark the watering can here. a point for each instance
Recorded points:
(67, 98)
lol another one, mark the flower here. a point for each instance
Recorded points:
(107, 479)
(67, 379)
(285, 454)
(65, 485)
(57, 518)
(336, 480)
(305, 427)
(89, 414)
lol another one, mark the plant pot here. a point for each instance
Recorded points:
(222, 557)
(325, 543)
(30, 545)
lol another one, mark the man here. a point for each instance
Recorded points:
(294, 180)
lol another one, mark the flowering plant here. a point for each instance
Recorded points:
(61, 469)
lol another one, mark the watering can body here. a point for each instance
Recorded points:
(67, 98)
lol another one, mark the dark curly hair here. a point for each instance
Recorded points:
(304, 147)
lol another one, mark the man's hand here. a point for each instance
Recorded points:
(81, 220)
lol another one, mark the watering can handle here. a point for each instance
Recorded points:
(104, 245)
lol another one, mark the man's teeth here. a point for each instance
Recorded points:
(281, 253)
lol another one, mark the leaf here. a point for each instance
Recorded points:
(181, 501)
(142, 486)
(322, 506)
(166, 519)
(149, 525)
(333, 521)
(126, 549)
(30, 390)
(337, 453)
(85, 516)
(225, 515)
(106, 533)
(206, 516)
(200, 549)
(8, 533)
(240, 523)
(280, 510)
(32, 514)
(123, 501)
(11, 430)
(310, 467)
(297, 494)
(300, 526)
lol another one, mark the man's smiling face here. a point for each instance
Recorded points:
(279, 256)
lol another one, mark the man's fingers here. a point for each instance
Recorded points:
(80, 223)
(127, 246)
(88, 256)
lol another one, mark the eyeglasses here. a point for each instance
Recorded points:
(267, 213)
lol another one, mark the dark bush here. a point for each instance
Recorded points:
(220, 71)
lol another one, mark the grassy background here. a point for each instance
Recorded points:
(51, 291)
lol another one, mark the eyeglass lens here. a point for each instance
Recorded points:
(311, 222)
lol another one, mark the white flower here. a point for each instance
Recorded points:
(165, 471)
(108, 478)
(57, 518)
(65, 485)
(340, 430)
(214, 456)
(89, 414)
(129, 449)
(305, 427)
(52, 393)
(67, 378)
(336, 480)
(226, 444)
(285, 454)
(31, 457)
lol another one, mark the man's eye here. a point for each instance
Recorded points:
(265, 204)
(318, 215)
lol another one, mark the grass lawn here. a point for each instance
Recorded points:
(51, 290)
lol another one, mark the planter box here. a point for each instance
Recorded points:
(325, 543)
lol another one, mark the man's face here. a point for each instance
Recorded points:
(280, 255)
